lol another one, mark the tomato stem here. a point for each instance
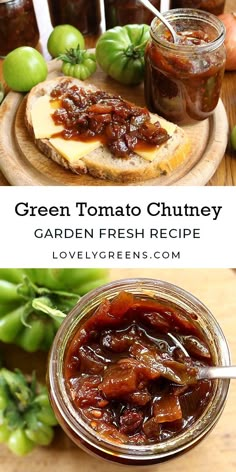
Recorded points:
(43, 304)
(135, 51)
(73, 56)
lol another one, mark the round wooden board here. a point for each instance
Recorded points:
(23, 164)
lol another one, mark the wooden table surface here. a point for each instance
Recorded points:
(226, 172)
(215, 288)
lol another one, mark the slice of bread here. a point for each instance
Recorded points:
(99, 162)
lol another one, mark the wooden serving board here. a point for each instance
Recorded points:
(23, 164)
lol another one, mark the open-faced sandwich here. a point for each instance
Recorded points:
(88, 130)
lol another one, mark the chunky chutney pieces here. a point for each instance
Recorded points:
(131, 370)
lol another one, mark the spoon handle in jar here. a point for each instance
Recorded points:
(156, 12)
(217, 372)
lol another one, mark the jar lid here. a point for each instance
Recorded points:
(5, 1)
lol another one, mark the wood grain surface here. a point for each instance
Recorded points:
(226, 170)
(215, 288)
(23, 164)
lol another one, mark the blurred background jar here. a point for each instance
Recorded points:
(124, 12)
(83, 14)
(18, 25)
(212, 6)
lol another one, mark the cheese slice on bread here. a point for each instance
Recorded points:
(93, 156)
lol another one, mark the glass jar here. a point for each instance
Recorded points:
(18, 25)
(72, 423)
(83, 14)
(183, 80)
(212, 6)
(124, 12)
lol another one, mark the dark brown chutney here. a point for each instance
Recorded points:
(18, 26)
(216, 7)
(127, 375)
(126, 12)
(183, 85)
(87, 115)
(83, 14)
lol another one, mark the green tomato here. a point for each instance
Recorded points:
(120, 53)
(11, 325)
(3, 396)
(4, 433)
(19, 443)
(46, 416)
(41, 435)
(9, 292)
(64, 37)
(80, 71)
(23, 68)
(49, 335)
(12, 275)
(72, 279)
(31, 338)
(78, 63)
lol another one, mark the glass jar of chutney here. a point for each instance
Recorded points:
(124, 12)
(91, 328)
(183, 79)
(212, 6)
(84, 15)
(18, 25)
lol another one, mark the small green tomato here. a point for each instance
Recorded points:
(78, 63)
(23, 68)
(64, 37)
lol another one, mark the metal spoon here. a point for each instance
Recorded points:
(156, 12)
(208, 372)
(217, 372)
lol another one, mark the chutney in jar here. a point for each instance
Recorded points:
(121, 342)
(18, 25)
(212, 6)
(131, 370)
(125, 12)
(183, 80)
(83, 14)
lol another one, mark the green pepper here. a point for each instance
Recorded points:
(33, 302)
(26, 417)
(78, 63)
(120, 53)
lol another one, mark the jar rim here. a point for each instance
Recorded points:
(132, 453)
(189, 14)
